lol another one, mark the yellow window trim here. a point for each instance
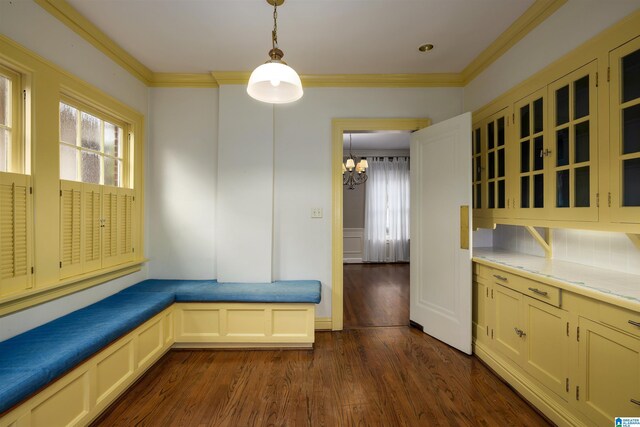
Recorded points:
(530, 19)
(65, 287)
(46, 83)
(16, 160)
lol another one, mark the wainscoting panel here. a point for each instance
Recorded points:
(353, 244)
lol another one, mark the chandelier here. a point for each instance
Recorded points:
(354, 171)
(274, 81)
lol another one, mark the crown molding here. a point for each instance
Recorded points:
(537, 13)
(353, 80)
(69, 16)
(530, 19)
(182, 80)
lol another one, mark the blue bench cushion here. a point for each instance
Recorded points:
(173, 286)
(301, 291)
(18, 384)
(58, 346)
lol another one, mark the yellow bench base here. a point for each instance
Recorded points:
(84, 393)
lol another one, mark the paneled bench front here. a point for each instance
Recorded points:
(68, 371)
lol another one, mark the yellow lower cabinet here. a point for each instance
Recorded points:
(546, 345)
(481, 300)
(508, 332)
(609, 382)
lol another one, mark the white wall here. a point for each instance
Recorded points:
(302, 245)
(244, 204)
(28, 24)
(181, 183)
(573, 24)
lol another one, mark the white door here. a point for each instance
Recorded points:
(440, 269)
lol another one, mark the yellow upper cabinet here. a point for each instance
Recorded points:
(530, 150)
(562, 149)
(573, 148)
(624, 95)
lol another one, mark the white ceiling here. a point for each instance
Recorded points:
(378, 141)
(317, 36)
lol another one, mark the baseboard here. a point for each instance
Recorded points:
(323, 324)
(352, 260)
(530, 391)
(244, 346)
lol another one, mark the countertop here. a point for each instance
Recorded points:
(615, 287)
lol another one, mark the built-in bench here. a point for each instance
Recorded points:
(70, 369)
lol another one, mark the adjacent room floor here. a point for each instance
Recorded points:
(383, 375)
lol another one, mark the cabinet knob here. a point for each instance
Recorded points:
(637, 402)
(631, 322)
(520, 332)
(504, 279)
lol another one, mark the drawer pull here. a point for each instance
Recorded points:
(631, 322)
(504, 279)
(520, 332)
(539, 292)
(637, 402)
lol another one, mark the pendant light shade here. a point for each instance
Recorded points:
(275, 82)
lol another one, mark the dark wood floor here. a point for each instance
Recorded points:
(392, 376)
(376, 295)
(363, 376)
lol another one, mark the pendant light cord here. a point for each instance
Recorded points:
(274, 33)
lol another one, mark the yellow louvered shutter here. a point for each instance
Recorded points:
(70, 228)
(91, 222)
(15, 233)
(110, 226)
(125, 224)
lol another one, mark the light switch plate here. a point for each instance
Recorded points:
(316, 213)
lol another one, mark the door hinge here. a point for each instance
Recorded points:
(491, 293)
(133, 249)
(578, 334)
(30, 190)
(608, 74)
(567, 385)
(596, 79)
(32, 270)
(487, 330)
(567, 328)
(60, 193)
(597, 200)
(24, 95)
(60, 264)
(577, 392)
(513, 118)
(134, 198)
(492, 334)
(487, 292)
(609, 198)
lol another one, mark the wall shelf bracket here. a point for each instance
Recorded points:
(635, 239)
(544, 242)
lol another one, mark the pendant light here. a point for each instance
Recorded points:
(274, 81)
(354, 172)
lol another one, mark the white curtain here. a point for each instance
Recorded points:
(386, 218)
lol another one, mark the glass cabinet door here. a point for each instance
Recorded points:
(478, 168)
(495, 128)
(624, 198)
(530, 120)
(573, 150)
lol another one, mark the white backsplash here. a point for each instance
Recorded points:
(613, 251)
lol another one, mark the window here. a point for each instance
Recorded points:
(10, 148)
(91, 148)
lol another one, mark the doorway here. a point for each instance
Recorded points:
(364, 294)
(375, 214)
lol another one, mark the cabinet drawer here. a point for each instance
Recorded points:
(542, 292)
(480, 270)
(623, 319)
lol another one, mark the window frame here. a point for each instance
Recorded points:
(127, 141)
(16, 160)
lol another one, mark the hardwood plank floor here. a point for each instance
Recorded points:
(391, 376)
(376, 295)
